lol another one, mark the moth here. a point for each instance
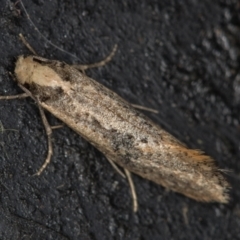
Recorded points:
(124, 135)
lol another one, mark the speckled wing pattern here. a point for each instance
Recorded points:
(123, 134)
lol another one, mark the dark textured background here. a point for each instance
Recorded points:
(179, 58)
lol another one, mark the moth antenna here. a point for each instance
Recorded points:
(45, 39)
(25, 42)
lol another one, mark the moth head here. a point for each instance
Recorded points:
(37, 70)
(24, 69)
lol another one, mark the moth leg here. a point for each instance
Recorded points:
(18, 96)
(22, 95)
(57, 126)
(48, 130)
(97, 64)
(130, 181)
(144, 108)
(133, 191)
(116, 167)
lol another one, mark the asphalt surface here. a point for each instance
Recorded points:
(180, 58)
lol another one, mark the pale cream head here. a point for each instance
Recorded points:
(29, 71)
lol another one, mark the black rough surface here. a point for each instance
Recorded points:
(179, 57)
